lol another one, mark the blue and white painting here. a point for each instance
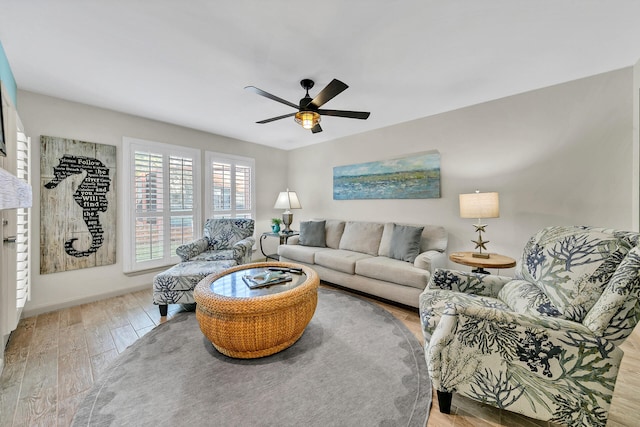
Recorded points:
(413, 177)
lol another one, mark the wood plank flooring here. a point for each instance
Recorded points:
(53, 359)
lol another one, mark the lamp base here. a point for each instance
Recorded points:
(287, 219)
(480, 255)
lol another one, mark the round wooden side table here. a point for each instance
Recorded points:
(494, 261)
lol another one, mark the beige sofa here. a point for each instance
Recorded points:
(387, 260)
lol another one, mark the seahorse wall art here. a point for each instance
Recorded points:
(76, 174)
(91, 196)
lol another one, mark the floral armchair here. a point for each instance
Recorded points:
(545, 343)
(224, 239)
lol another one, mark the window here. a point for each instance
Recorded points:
(161, 201)
(230, 186)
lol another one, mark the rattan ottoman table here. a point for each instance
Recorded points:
(248, 323)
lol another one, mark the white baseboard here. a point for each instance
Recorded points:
(34, 311)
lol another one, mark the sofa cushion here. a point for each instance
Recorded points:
(434, 238)
(312, 233)
(392, 270)
(340, 260)
(385, 241)
(361, 237)
(300, 253)
(334, 229)
(405, 242)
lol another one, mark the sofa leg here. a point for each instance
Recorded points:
(163, 310)
(444, 401)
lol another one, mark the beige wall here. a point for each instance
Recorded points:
(44, 115)
(558, 155)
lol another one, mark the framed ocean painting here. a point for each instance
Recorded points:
(416, 176)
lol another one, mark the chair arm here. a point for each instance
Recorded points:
(242, 248)
(487, 285)
(191, 249)
(523, 320)
(430, 260)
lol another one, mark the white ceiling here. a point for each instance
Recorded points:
(187, 62)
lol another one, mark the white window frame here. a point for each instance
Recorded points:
(234, 160)
(130, 146)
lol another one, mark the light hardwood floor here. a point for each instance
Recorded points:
(53, 359)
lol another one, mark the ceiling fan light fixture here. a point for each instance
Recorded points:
(307, 119)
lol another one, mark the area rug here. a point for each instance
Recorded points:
(355, 365)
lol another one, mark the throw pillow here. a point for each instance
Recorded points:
(312, 234)
(405, 242)
(385, 241)
(362, 237)
(334, 228)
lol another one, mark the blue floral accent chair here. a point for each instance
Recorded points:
(226, 242)
(223, 239)
(545, 343)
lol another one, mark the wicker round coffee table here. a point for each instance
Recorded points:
(248, 323)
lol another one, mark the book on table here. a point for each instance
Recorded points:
(266, 278)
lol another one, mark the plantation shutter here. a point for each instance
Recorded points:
(231, 191)
(181, 196)
(23, 282)
(162, 202)
(149, 199)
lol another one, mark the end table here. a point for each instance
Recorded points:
(283, 241)
(494, 261)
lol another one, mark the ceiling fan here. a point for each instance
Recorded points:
(309, 111)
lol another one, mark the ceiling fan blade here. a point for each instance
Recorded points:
(334, 88)
(316, 128)
(270, 96)
(363, 115)
(273, 119)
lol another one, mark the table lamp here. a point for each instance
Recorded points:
(480, 205)
(287, 200)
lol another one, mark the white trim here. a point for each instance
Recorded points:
(129, 145)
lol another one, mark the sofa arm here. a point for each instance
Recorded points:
(191, 249)
(242, 250)
(471, 283)
(430, 260)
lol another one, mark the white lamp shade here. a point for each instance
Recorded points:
(287, 200)
(14, 193)
(479, 205)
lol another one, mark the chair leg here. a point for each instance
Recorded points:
(444, 401)
(163, 310)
